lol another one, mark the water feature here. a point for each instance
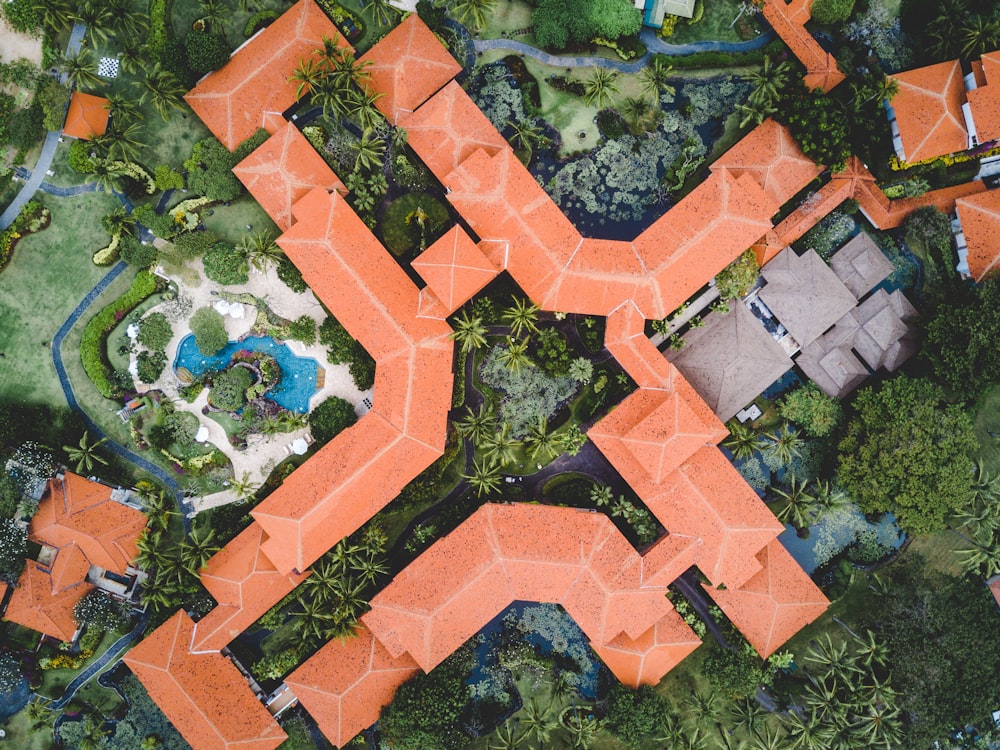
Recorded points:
(836, 532)
(298, 374)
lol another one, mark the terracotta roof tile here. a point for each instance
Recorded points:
(980, 217)
(789, 20)
(773, 158)
(77, 510)
(234, 100)
(87, 116)
(773, 605)
(407, 66)
(37, 603)
(928, 110)
(282, 171)
(455, 268)
(644, 660)
(344, 685)
(245, 584)
(204, 696)
(448, 128)
(413, 391)
(984, 101)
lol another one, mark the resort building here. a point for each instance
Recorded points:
(87, 116)
(977, 229)
(87, 536)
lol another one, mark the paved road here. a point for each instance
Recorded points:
(653, 43)
(183, 504)
(114, 652)
(48, 149)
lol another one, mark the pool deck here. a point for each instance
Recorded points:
(263, 453)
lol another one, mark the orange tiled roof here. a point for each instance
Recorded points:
(928, 111)
(245, 584)
(234, 100)
(87, 116)
(407, 66)
(44, 599)
(984, 101)
(980, 217)
(205, 697)
(772, 157)
(282, 171)
(454, 268)
(775, 604)
(789, 20)
(77, 510)
(345, 684)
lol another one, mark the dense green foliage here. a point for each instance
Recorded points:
(330, 417)
(206, 52)
(819, 126)
(13, 547)
(815, 412)
(737, 673)
(224, 265)
(561, 22)
(10, 495)
(22, 15)
(633, 715)
(209, 331)
(92, 342)
(832, 11)
(927, 232)
(195, 244)
(907, 452)
(291, 276)
(10, 674)
(962, 340)
(53, 98)
(343, 349)
(735, 280)
(229, 388)
(150, 365)
(303, 329)
(136, 253)
(98, 609)
(155, 331)
(210, 171)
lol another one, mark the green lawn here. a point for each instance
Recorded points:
(49, 274)
(230, 222)
(986, 420)
(507, 17)
(22, 736)
(716, 25)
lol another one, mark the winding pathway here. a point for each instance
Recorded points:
(654, 45)
(182, 503)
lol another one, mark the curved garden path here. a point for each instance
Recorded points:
(653, 43)
(183, 504)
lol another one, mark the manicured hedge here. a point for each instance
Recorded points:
(724, 59)
(95, 333)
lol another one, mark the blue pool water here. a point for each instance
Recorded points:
(298, 374)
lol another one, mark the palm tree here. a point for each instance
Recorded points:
(213, 13)
(198, 549)
(539, 722)
(832, 658)
(370, 568)
(541, 442)
(159, 595)
(476, 425)
(755, 112)
(805, 731)
(324, 576)
(526, 135)
(382, 13)
(346, 69)
(244, 487)
(704, 707)
(311, 619)
(475, 11)
(368, 150)
(768, 82)
(80, 69)
(261, 251)
(484, 478)
(742, 441)
(820, 696)
(782, 446)
(828, 498)
(878, 726)
(83, 453)
(151, 552)
(654, 78)
(162, 89)
(94, 733)
(108, 178)
(97, 17)
(636, 109)
(55, 14)
(879, 692)
(669, 731)
(39, 712)
(979, 36)
(521, 316)
(506, 738)
(122, 140)
(308, 76)
(470, 333)
(500, 446)
(871, 652)
(745, 714)
(769, 739)
(982, 555)
(514, 355)
(119, 221)
(582, 728)
(600, 87)
(361, 106)
(127, 22)
(798, 507)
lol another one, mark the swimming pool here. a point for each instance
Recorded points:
(298, 374)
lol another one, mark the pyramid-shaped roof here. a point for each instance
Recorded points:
(344, 685)
(43, 599)
(984, 100)
(730, 360)
(204, 695)
(804, 294)
(87, 116)
(661, 648)
(282, 171)
(860, 264)
(407, 66)
(454, 268)
(76, 510)
(234, 100)
(773, 158)
(980, 217)
(928, 110)
(773, 605)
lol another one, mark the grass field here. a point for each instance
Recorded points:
(986, 419)
(716, 25)
(48, 275)
(21, 735)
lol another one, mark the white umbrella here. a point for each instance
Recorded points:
(132, 331)
(236, 310)
(202, 435)
(222, 307)
(299, 446)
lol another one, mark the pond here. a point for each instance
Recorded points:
(836, 532)
(298, 374)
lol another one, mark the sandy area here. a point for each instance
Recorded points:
(263, 453)
(14, 46)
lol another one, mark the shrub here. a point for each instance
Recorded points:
(206, 52)
(155, 331)
(26, 127)
(303, 329)
(736, 279)
(258, 21)
(95, 333)
(136, 253)
(832, 11)
(22, 16)
(611, 124)
(363, 371)
(331, 417)
(53, 98)
(99, 610)
(167, 178)
(209, 331)
(195, 244)
(149, 366)
(13, 548)
(210, 171)
(811, 409)
(229, 389)
(291, 276)
(634, 715)
(224, 265)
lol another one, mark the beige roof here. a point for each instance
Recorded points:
(860, 265)
(885, 336)
(730, 360)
